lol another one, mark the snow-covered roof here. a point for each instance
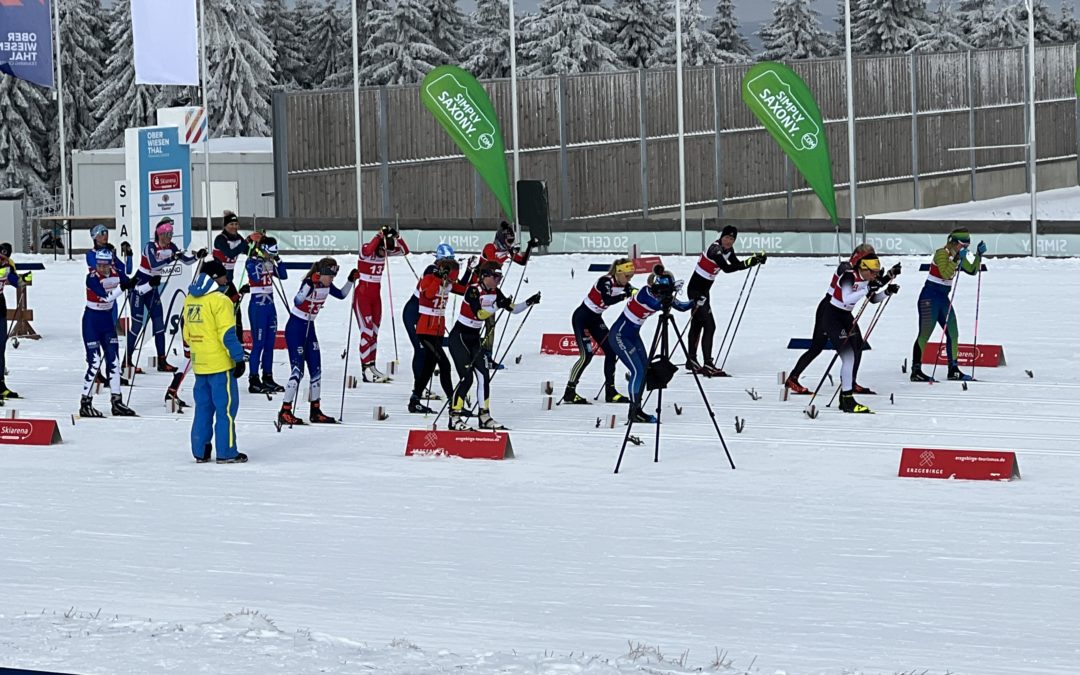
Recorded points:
(237, 144)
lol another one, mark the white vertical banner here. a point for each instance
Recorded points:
(165, 35)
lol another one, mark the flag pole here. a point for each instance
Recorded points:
(853, 186)
(60, 107)
(356, 125)
(1032, 164)
(514, 115)
(682, 137)
(206, 116)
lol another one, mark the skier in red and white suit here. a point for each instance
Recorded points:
(367, 298)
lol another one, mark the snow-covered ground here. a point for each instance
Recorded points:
(1060, 204)
(118, 554)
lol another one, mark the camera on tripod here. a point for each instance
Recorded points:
(662, 284)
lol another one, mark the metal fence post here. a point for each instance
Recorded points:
(913, 72)
(971, 121)
(1029, 131)
(717, 143)
(383, 120)
(1076, 113)
(643, 146)
(564, 163)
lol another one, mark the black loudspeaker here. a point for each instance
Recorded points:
(533, 209)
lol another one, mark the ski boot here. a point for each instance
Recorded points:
(848, 404)
(917, 374)
(163, 366)
(955, 374)
(794, 387)
(613, 396)
(128, 365)
(119, 409)
(710, 370)
(432, 396)
(571, 396)
(205, 457)
(6, 393)
(256, 386)
(179, 403)
(639, 416)
(239, 459)
(87, 409)
(693, 366)
(374, 375)
(859, 389)
(416, 406)
(286, 417)
(457, 421)
(317, 416)
(271, 386)
(486, 421)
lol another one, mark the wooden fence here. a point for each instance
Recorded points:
(606, 143)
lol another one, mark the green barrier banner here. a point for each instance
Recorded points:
(464, 110)
(780, 99)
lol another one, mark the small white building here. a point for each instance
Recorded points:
(241, 178)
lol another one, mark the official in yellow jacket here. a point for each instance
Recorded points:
(217, 357)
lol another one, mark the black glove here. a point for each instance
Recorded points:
(354, 274)
(245, 289)
(201, 253)
(155, 281)
(629, 290)
(534, 242)
(441, 272)
(125, 249)
(388, 231)
(515, 249)
(759, 258)
(892, 289)
(238, 369)
(894, 271)
(534, 300)
(129, 284)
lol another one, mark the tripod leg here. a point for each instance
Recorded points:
(659, 406)
(708, 406)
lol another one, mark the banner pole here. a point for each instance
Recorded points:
(60, 103)
(206, 136)
(682, 137)
(1032, 164)
(514, 117)
(356, 125)
(852, 181)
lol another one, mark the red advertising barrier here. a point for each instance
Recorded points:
(958, 464)
(279, 340)
(29, 432)
(563, 344)
(464, 444)
(983, 356)
(645, 264)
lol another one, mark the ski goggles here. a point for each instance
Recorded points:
(871, 264)
(625, 268)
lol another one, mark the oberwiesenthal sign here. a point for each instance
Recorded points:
(158, 170)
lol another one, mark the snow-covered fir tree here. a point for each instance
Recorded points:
(568, 36)
(1046, 24)
(640, 28)
(730, 41)
(1067, 25)
(487, 55)
(794, 32)
(240, 72)
(281, 27)
(1006, 26)
(698, 44)
(400, 50)
(946, 32)
(449, 27)
(120, 103)
(23, 144)
(327, 45)
(974, 15)
(82, 26)
(887, 26)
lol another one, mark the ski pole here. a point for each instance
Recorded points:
(516, 291)
(141, 340)
(739, 322)
(873, 322)
(975, 340)
(732, 319)
(411, 268)
(809, 406)
(345, 376)
(945, 325)
(390, 291)
(511, 343)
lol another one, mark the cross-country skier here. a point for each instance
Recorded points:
(302, 341)
(625, 336)
(435, 287)
(819, 339)
(481, 301)
(589, 326)
(103, 286)
(228, 244)
(367, 298)
(100, 236)
(719, 257)
(503, 249)
(8, 277)
(935, 302)
(263, 266)
(158, 257)
(410, 315)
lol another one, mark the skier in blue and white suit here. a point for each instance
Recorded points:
(625, 335)
(103, 286)
(263, 265)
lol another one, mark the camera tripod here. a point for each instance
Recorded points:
(661, 342)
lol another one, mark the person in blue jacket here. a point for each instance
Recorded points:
(263, 266)
(104, 285)
(100, 236)
(625, 336)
